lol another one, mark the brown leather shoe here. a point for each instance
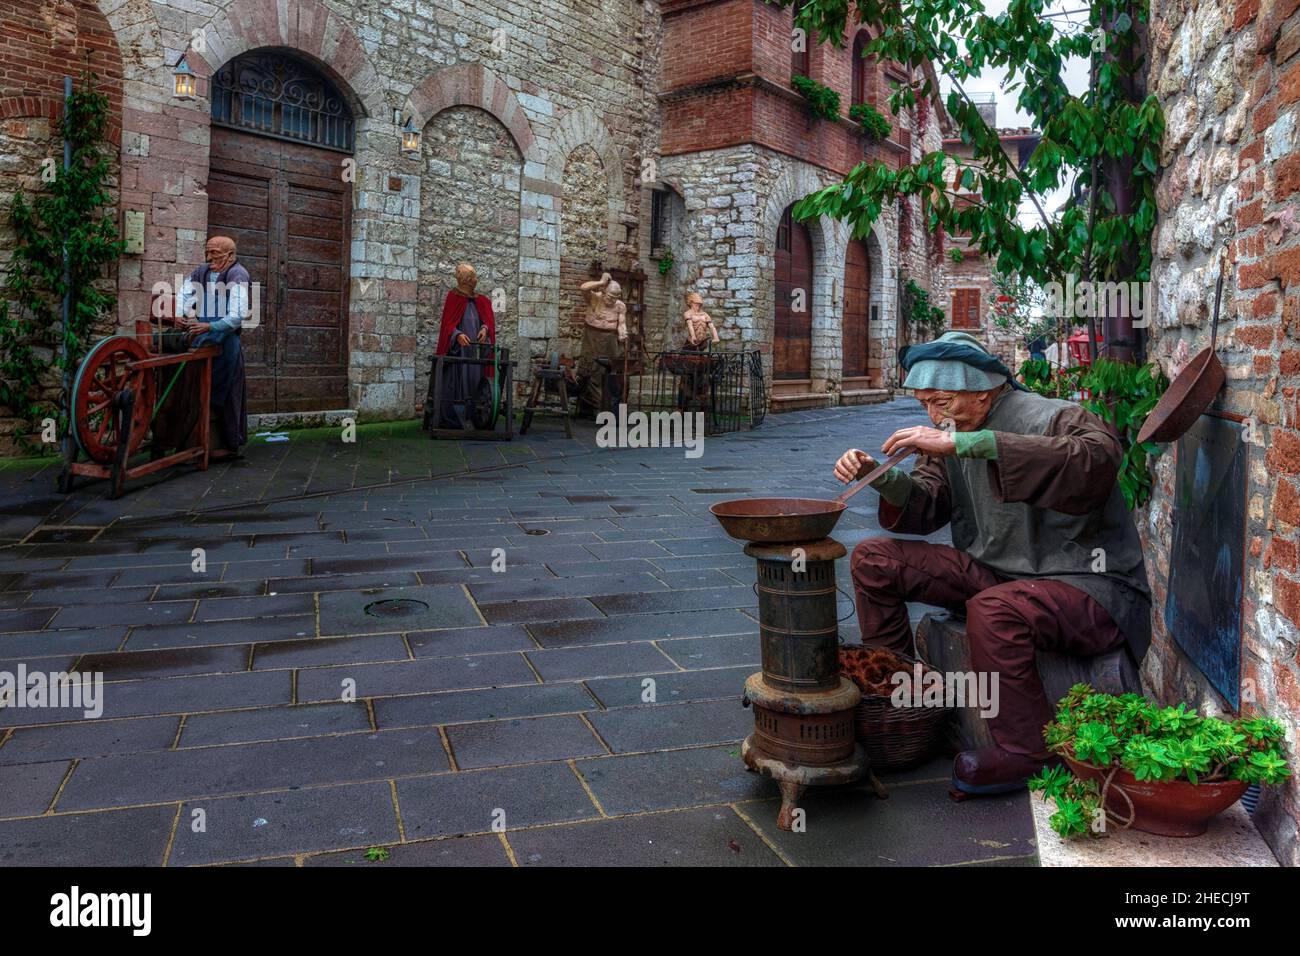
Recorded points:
(991, 770)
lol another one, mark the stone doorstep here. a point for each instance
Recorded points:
(1231, 840)
(864, 396)
(273, 421)
(798, 401)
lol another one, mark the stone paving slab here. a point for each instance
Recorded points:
(463, 851)
(89, 738)
(725, 682)
(28, 789)
(656, 726)
(678, 838)
(131, 837)
(642, 627)
(246, 768)
(415, 677)
(496, 743)
(681, 778)
(466, 706)
(266, 824)
(273, 723)
(352, 612)
(481, 800)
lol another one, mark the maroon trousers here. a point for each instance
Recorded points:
(1007, 620)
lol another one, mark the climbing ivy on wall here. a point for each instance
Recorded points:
(72, 203)
(1080, 132)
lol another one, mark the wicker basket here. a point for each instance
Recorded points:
(895, 737)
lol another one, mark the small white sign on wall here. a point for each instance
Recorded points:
(133, 231)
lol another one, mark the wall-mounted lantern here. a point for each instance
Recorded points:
(410, 137)
(186, 87)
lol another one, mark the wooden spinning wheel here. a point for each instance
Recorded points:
(114, 401)
(105, 373)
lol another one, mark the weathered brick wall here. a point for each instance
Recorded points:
(1228, 76)
(40, 43)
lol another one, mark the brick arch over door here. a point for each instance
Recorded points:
(307, 28)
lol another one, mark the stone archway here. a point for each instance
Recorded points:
(472, 172)
(828, 243)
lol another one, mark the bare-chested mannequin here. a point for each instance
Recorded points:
(699, 325)
(603, 334)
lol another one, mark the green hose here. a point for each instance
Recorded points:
(157, 407)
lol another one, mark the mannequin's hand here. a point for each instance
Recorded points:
(462, 339)
(926, 440)
(482, 333)
(853, 464)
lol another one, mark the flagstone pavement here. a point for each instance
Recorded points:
(346, 670)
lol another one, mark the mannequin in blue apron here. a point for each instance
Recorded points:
(214, 307)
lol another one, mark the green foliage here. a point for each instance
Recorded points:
(873, 122)
(666, 262)
(1078, 802)
(921, 318)
(1019, 306)
(377, 854)
(1120, 394)
(822, 100)
(75, 206)
(1155, 743)
(1101, 124)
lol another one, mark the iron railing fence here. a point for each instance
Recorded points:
(725, 384)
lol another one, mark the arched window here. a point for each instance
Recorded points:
(861, 70)
(276, 94)
(799, 59)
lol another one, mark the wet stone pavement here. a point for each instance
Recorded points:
(349, 671)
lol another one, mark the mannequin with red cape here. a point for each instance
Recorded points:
(467, 323)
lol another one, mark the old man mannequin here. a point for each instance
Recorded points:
(467, 323)
(213, 306)
(1028, 486)
(604, 334)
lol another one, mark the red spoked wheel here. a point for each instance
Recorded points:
(104, 373)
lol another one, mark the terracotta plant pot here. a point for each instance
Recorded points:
(1173, 808)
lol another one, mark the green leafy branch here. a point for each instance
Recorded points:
(73, 211)
(1101, 123)
(873, 122)
(1120, 394)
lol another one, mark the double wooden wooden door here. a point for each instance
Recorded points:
(792, 335)
(858, 361)
(289, 210)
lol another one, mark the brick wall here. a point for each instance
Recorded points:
(1228, 75)
(726, 81)
(40, 43)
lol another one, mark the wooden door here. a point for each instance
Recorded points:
(289, 211)
(792, 334)
(857, 306)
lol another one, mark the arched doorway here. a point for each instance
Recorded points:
(861, 365)
(278, 185)
(792, 331)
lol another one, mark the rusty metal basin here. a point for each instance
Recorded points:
(778, 519)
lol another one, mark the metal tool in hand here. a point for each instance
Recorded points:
(875, 473)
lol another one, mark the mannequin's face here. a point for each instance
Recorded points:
(967, 410)
(466, 280)
(694, 303)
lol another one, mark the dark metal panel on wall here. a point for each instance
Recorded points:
(1204, 609)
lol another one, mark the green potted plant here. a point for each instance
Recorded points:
(1162, 770)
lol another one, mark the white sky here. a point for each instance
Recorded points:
(1076, 79)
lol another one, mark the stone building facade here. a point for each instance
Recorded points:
(554, 142)
(1228, 75)
(739, 146)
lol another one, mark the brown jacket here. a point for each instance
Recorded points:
(1049, 506)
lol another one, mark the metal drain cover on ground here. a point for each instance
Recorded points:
(536, 531)
(401, 607)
